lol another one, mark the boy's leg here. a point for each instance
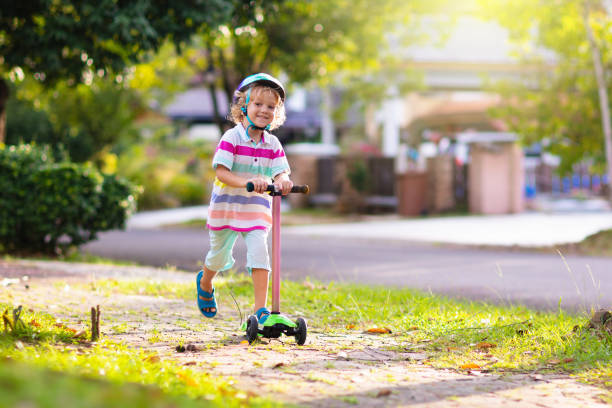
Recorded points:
(258, 264)
(260, 287)
(219, 258)
(206, 285)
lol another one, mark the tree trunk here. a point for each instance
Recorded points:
(4, 95)
(604, 105)
(212, 88)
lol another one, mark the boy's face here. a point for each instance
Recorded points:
(262, 106)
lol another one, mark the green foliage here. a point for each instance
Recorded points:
(172, 172)
(189, 189)
(165, 73)
(557, 100)
(47, 207)
(319, 40)
(98, 115)
(82, 121)
(27, 124)
(358, 174)
(71, 38)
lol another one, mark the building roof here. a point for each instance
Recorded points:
(195, 105)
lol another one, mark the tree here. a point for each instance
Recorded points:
(565, 100)
(63, 39)
(602, 90)
(82, 121)
(320, 40)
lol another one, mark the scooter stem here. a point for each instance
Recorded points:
(276, 248)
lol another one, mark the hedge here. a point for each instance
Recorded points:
(47, 206)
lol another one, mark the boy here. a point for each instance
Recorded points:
(246, 153)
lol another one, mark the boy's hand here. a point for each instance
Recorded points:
(284, 185)
(259, 183)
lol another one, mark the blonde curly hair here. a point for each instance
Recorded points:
(237, 116)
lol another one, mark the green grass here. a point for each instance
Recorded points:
(21, 385)
(599, 244)
(43, 363)
(453, 334)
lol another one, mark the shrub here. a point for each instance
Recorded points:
(26, 124)
(47, 207)
(172, 173)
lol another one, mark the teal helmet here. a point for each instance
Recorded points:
(263, 79)
(258, 79)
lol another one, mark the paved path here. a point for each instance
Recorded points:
(340, 369)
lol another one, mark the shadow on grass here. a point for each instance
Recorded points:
(23, 385)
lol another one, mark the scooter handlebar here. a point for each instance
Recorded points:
(304, 189)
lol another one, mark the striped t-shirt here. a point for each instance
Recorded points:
(235, 208)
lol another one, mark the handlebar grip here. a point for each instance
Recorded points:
(304, 189)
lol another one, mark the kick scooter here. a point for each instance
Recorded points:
(276, 324)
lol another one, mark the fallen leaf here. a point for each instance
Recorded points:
(554, 361)
(152, 359)
(277, 365)
(35, 323)
(244, 342)
(485, 345)
(64, 327)
(350, 326)
(568, 360)
(82, 333)
(190, 363)
(383, 393)
(379, 330)
(187, 380)
(469, 366)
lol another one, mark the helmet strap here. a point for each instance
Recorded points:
(244, 110)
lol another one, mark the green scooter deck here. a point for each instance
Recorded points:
(272, 320)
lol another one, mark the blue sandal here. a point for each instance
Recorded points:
(262, 315)
(205, 304)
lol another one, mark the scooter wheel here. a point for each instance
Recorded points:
(301, 330)
(252, 329)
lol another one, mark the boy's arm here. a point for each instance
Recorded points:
(226, 176)
(283, 182)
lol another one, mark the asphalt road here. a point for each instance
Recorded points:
(536, 279)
